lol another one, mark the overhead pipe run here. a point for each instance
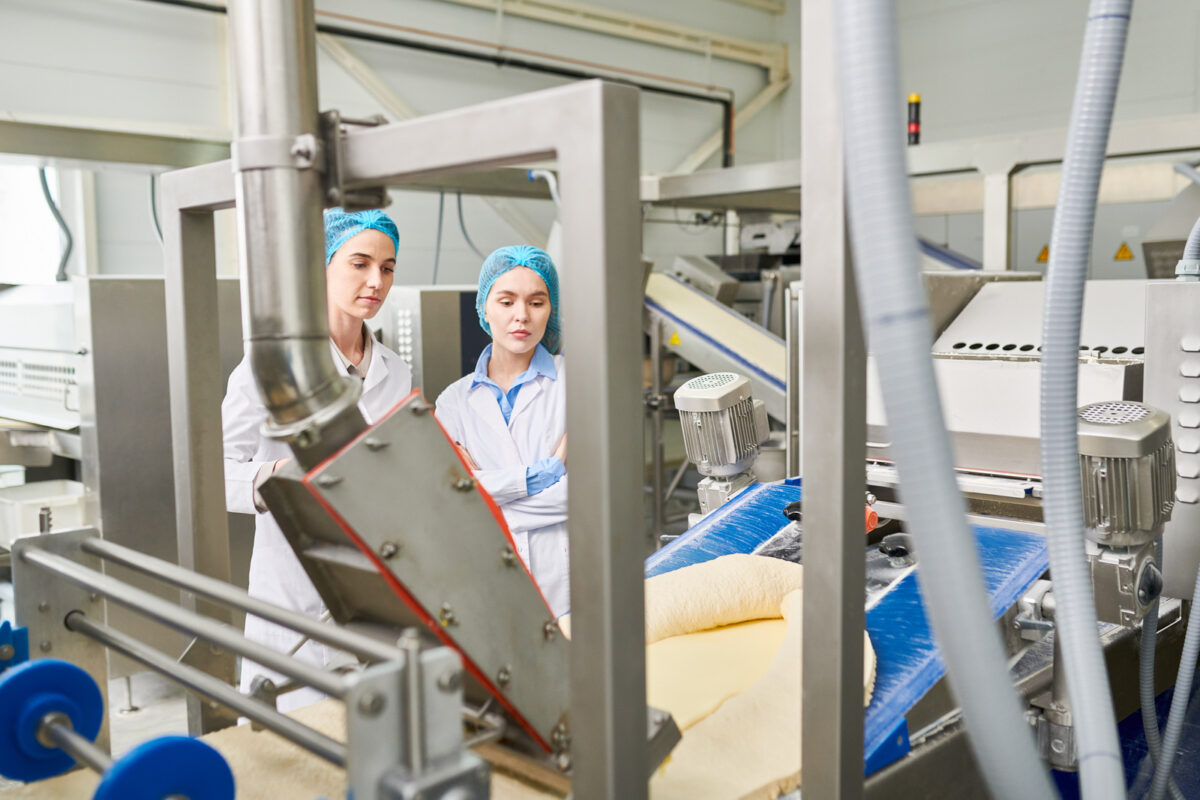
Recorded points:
(277, 156)
(500, 59)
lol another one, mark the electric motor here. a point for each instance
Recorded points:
(722, 424)
(1127, 466)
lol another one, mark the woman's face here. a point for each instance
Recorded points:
(517, 310)
(359, 275)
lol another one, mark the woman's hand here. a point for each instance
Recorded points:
(560, 449)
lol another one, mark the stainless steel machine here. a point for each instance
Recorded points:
(435, 330)
(84, 377)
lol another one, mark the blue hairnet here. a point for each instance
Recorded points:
(522, 255)
(342, 225)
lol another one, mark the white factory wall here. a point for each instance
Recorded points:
(131, 62)
(992, 67)
(985, 67)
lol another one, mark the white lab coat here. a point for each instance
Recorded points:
(538, 523)
(275, 572)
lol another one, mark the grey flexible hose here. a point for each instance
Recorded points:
(437, 249)
(1146, 685)
(1179, 701)
(1187, 170)
(462, 226)
(61, 274)
(1191, 250)
(900, 333)
(154, 208)
(1100, 766)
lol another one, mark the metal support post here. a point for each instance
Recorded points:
(997, 219)
(608, 666)
(656, 418)
(834, 403)
(793, 390)
(194, 369)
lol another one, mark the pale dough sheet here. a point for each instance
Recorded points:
(739, 710)
(691, 675)
(750, 746)
(723, 591)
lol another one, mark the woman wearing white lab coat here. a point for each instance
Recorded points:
(360, 261)
(509, 416)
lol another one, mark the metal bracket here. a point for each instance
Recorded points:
(1056, 744)
(44, 602)
(385, 706)
(305, 151)
(333, 132)
(207, 656)
(1035, 612)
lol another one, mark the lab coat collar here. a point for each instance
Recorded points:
(542, 363)
(484, 406)
(377, 369)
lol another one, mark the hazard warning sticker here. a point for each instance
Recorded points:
(674, 340)
(1044, 256)
(1123, 253)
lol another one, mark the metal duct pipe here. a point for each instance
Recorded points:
(277, 160)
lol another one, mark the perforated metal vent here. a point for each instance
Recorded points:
(31, 379)
(1113, 413)
(713, 380)
(1012, 348)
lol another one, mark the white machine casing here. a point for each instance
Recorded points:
(722, 424)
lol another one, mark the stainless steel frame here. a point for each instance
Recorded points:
(833, 403)
(592, 129)
(403, 715)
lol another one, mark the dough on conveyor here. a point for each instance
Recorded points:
(723, 591)
(742, 743)
(750, 746)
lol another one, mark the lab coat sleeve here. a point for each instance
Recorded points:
(504, 485)
(447, 412)
(547, 507)
(242, 415)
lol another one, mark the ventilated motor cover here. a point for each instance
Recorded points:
(1127, 466)
(722, 424)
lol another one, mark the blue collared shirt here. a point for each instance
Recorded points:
(548, 471)
(542, 363)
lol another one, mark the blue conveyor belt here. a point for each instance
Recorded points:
(908, 662)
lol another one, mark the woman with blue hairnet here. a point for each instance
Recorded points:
(360, 259)
(509, 417)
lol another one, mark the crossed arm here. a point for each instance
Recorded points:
(526, 505)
